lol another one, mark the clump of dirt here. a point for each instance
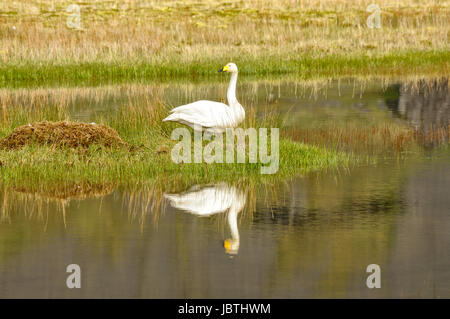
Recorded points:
(68, 134)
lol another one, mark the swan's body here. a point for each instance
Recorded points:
(210, 200)
(212, 116)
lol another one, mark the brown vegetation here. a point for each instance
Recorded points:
(370, 140)
(68, 134)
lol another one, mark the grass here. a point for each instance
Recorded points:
(135, 40)
(39, 168)
(304, 67)
(36, 165)
(62, 134)
(135, 112)
(375, 140)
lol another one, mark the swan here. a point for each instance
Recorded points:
(213, 199)
(212, 116)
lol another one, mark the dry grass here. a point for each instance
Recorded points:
(62, 134)
(189, 29)
(266, 35)
(36, 164)
(373, 140)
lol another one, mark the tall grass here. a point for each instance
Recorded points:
(383, 140)
(159, 39)
(39, 168)
(304, 66)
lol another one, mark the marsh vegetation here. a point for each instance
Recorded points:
(44, 159)
(135, 112)
(147, 40)
(86, 173)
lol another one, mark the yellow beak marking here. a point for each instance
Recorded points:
(227, 245)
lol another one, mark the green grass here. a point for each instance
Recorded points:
(37, 168)
(40, 168)
(302, 67)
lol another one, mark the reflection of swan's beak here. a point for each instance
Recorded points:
(227, 244)
(231, 246)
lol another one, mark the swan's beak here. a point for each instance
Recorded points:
(227, 245)
(231, 248)
(224, 69)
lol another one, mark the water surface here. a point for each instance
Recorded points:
(307, 237)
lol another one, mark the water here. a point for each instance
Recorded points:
(307, 237)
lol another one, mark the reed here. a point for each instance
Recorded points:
(38, 167)
(383, 140)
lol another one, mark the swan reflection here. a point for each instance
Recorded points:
(207, 200)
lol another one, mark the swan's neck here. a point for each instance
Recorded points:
(232, 222)
(231, 93)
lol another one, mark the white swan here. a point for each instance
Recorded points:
(212, 116)
(210, 200)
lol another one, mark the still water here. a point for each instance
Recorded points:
(309, 236)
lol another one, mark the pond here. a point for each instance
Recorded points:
(309, 236)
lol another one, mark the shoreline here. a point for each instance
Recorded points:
(41, 73)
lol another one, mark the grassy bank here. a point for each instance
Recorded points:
(42, 167)
(312, 138)
(143, 40)
(37, 168)
(303, 67)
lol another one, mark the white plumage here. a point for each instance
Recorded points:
(212, 116)
(213, 199)
(204, 200)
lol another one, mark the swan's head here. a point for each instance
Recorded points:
(230, 67)
(231, 246)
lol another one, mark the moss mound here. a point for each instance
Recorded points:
(68, 134)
